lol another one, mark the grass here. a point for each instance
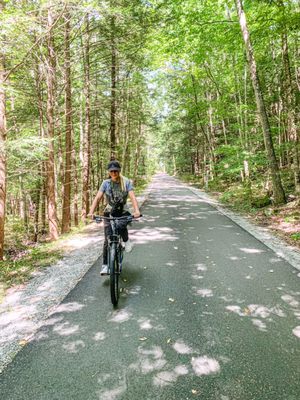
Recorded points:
(23, 257)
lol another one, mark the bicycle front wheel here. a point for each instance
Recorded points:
(114, 276)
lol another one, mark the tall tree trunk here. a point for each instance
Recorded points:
(278, 192)
(74, 163)
(2, 147)
(52, 212)
(66, 213)
(40, 186)
(36, 201)
(86, 150)
(113, 106)
(137, 157)
(23, 203)
(290, 103)
(202, 128)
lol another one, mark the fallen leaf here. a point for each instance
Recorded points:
(169, 340)
(23, 342)
(194, 391)
(143, 338)
(171, 299)
(247, 311)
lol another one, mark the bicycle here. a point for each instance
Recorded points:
(115, 251)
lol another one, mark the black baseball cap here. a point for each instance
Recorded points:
(114, 166)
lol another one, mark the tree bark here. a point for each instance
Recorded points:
(2, 147)
(74, 163)
(66, 212)
(113, 106)
(290, 103)
(278, 192)
(86, 150)
(52, 212)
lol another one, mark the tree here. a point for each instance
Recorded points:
(278, 192)
(51, 198)
(87, 128)
(66, 211)
(2, 144)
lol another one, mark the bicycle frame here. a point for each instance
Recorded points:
(115, 254)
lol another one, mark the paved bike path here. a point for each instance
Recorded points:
(207, 312)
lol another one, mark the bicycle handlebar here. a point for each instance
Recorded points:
(130, 218)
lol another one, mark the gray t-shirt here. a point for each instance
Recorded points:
(113, 191)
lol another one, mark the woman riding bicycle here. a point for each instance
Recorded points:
(116, 190)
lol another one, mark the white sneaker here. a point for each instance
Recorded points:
(104, 270)
(128, 246)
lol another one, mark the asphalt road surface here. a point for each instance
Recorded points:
(206, 312)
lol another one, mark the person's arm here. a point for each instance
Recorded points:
(136, 210)
(95, 203)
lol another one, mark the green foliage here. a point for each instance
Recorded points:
(245, 198)
(296, 236)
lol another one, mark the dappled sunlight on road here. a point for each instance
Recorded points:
(252, 251)
(66, 329)
(120, 316)
(204, 292)
(69, 307)
(205, 366)
(166, 378)
(74, 347)
(290, 300)
(149, 360)
(146, 235)
(181, 348)
(296, 331)
(145, 324)
(99, 336)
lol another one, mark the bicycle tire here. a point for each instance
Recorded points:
(114, 276)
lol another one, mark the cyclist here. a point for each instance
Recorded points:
(116, 190)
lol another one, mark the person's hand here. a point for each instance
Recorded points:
(136, 214)
(90, 216)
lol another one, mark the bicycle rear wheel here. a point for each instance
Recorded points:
(114, 276)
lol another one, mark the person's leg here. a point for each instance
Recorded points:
(123, 229)
(107, 232)
(125, 236)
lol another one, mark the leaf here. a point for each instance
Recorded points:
(142, 339)
(169, 340)
(194, 391)
(171, 299)
(23, 342)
